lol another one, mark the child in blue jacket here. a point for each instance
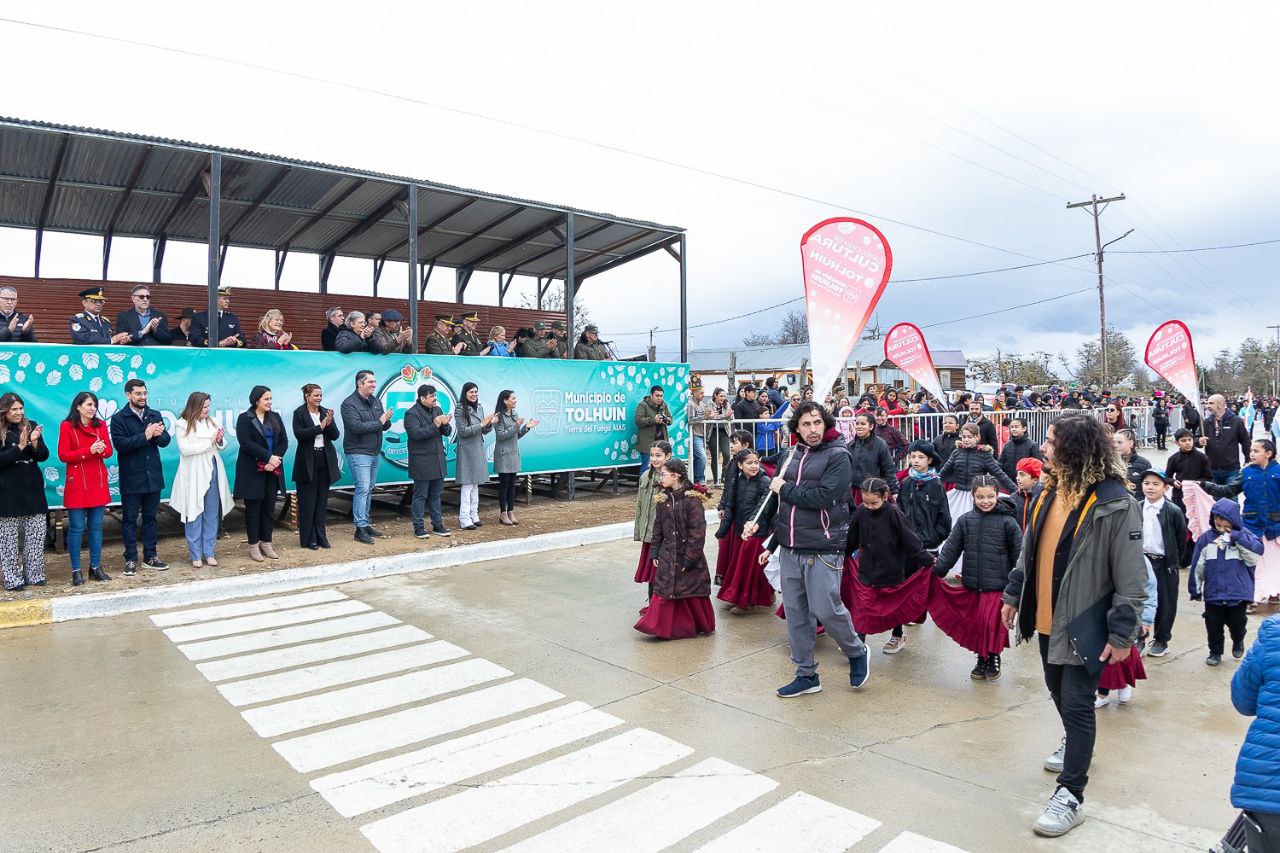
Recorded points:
(1222, 568)
(1255, 691)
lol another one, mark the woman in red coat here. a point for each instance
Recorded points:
(83, 443)
(680, 605)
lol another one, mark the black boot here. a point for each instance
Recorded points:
(979, 671)
(98, 574)
(77, 579)
(993, 667)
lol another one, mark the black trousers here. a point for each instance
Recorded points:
(131, 503)
(507, 492)
(258, 518)
(1266, 838)
(1162, 430)
(1167, 584)
(1073, 689)
(1231, 616)
(313, 502)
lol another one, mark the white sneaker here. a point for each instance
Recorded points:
(1054, 762)
(1101, 701)
(1063, 814)
(1126, 693)
(895, 645)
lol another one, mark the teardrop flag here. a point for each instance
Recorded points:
(1171, 355)
(846, 267)
(905, 347)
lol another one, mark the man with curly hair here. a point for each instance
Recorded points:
(1080, 584)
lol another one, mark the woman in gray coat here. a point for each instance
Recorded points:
(509, 429)
(471, 468)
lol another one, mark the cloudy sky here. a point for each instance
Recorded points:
(961, 130)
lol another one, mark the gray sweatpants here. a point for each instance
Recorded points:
(811, 594)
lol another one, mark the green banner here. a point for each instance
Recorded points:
(585, 409)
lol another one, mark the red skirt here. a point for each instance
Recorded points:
(1127, 673)
(970, 618)
(677, 619)
(744, 582)
(645, 570)
(879, 609)
(846, 587)
(726, 550)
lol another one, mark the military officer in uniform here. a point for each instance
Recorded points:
(471, 343)
(558, 338)
(229, 332)
(590, 347)
(89, 327)
(440, 341)
(541, 345)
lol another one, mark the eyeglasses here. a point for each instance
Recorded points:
(1111, 411)
(142, 296)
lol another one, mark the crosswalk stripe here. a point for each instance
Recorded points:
(267, 687)
(244, 624)
(495, 808)
(245, 608)
(308, 712)
(413, 725)
(412, 774)
(286, 636)
(800, 822)
(255, 664)
(909, 842)
(682, 805)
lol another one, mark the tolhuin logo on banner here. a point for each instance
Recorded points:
(905, 347)
(1171, 355)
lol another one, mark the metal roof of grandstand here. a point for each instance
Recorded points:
(100, 182)
(789, 356)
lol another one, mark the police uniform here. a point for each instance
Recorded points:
(89, 329)
(472, 344)
(228, 326)
(436, 343)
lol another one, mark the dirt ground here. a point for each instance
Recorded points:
(542, 515)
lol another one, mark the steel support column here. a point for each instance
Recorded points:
(378, 264)
(215, 228)
(281, 254)
(106, 254)
(461, 278)
(157, 257)
(684, 303)
(427, 270)
(413, 264)
(569, 284)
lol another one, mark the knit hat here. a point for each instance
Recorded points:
(927, 448)
(1032, 466)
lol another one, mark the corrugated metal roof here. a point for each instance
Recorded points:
(789, 356)
(141, 186)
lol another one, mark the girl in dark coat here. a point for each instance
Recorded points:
(259, 469)
(946, 443)
(745, 585)
(739, 441)
(681, 603)
(968, 461)
(646, 508)
(315, 465)
(921, 496)
(990, 539)
(884, 553)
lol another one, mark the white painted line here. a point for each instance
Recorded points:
(245, 608)
(412, 774)
(311, 711)
(480, 814)
(800, 822)
(286, 636)
(909, 842)
(259, 621)
(413, 725)
(239, 667)
(324, 675)
(656, 817)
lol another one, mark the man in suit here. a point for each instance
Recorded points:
(14, 327)
(146, 328)
(89, 327)
(229, 333)
(426, 425)
(138, 433)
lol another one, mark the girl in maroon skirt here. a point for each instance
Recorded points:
(990, 540)
(659, 453)
(745, 585)
(1124, 676)
(739, 440)
(680, 605)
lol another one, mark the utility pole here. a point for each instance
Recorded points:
(1275, 365)
(653, 350)
(1102, 301)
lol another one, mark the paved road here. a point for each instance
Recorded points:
(510, 704)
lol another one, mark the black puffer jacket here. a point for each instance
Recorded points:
(1137, 465)
(1014, 451)
(990, 543)
(872, 458)
(813, 510)
(967, 463)
(888, 548)
(924, 503)
(748, 494)
(945, 444)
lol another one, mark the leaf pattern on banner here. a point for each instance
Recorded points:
(117, 356)
(52, 474)
(5, 356)
(74, 372)
(135, 362)
(40, 367)
(114, 374)
(24, 359)
(151, 369)
(63, 359)
(4, 373)
(20, 376)
(54, 377)
(95, 384)
(90, 360)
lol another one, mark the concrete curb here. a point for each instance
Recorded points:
(285, 580)
(19, 614)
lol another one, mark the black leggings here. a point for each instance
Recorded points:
(258, 519)
(507, 492)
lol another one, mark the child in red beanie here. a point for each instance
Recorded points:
(1028, 482)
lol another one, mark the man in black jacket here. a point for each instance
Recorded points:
(1225, 440)
(747, 409)
(14, 327)
(146, 326)
(138, 433)
(809, 532)
(426, 425)
(986, 429)
(1018, 447)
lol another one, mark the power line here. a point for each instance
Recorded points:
(1199, 249)
(1010, 308)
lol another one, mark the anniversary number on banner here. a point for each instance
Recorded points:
(585, 409)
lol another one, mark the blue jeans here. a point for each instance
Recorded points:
(1222, 477)
(699, 458)
(363, 470)
(76, 519)
(427, 492)
(202, 532)
(644, 462)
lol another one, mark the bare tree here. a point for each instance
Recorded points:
(794, 329)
